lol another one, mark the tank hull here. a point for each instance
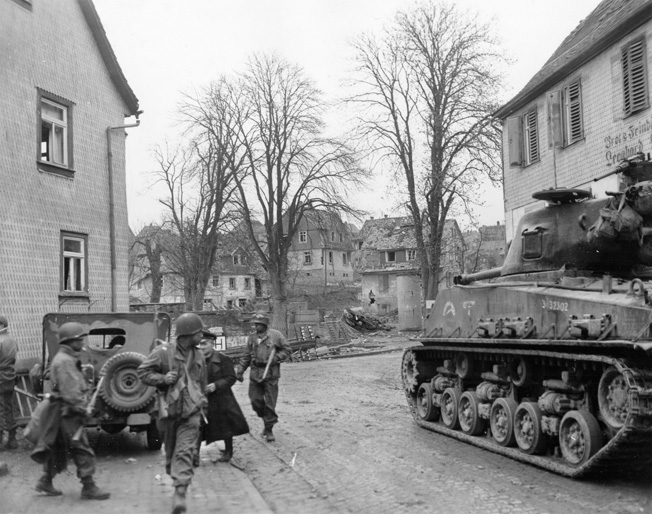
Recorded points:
(555, 374)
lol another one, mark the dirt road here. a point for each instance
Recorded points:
(345, 429)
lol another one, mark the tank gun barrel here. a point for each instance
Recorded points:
(464, 280)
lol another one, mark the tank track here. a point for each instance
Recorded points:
(628, 449)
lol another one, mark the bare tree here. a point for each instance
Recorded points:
(146, 252)
(291, 168)
(201, 182)
(427, 90)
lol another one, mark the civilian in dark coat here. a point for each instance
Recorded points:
(225, 418)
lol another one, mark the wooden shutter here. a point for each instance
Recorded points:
(555, 135)
(531, 137)
(514, 141)
(575, 129)
(634, 77)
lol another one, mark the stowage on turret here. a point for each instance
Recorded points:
(548, 359)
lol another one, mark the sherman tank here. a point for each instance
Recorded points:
(548, 359)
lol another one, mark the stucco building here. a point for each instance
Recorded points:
(585, 110)
(63, 104)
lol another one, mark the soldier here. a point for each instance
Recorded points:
(178, 371)
(265, 346)
(8, 351)
(62, 423)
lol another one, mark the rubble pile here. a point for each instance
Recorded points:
(363, 322)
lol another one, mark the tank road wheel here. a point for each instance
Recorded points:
(470, 421)
(501, 419)
(527, 428)
(427, 410)
(613, 399)
(450, 401)
(580, 437)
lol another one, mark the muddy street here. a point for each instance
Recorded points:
(345, 429)
(345, 443)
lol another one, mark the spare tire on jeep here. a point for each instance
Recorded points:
(122, 389)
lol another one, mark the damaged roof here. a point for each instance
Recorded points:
(609, 22)
(388, 233)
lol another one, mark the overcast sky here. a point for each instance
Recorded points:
(166, 47)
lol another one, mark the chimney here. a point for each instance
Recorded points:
(385, 215)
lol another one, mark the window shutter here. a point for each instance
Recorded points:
(554, 119)
(575, 128)
(514, 141)
(532, 138)
(634, 77)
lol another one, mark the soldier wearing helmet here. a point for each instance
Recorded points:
(178, 371)
(8, 352)
(68, 401)
(265, 350)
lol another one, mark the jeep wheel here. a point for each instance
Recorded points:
(154, 441)
(122, 389)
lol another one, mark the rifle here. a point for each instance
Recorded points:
(89, 409)
(269, 362)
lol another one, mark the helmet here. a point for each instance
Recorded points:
(71, 331)
(260, 317)
(188, 324)
(3, 320)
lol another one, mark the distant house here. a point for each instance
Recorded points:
(237, 280)
(388, 261)
(321, 251)
(63, 104)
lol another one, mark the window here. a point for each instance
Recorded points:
(73, 263)
(307, 258)
(303, 236)
(330, 257)
(242, 302)
(531, 138)
(231, 282)
(411, 255)
(216, 280)
(344, 261)
(247, 283)
(572, 113)
(633, 60)
(321, 259)
(239, 260)
(341, 238)
(229, 304)
(332, 236)
(390, 256)
(55, 134)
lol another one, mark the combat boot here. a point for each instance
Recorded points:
(44, 485)
(179, 500)
(269, 435)
(12, 444)
(225, 457)
(91, 492)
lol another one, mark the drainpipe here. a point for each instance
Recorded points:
(114, 285)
